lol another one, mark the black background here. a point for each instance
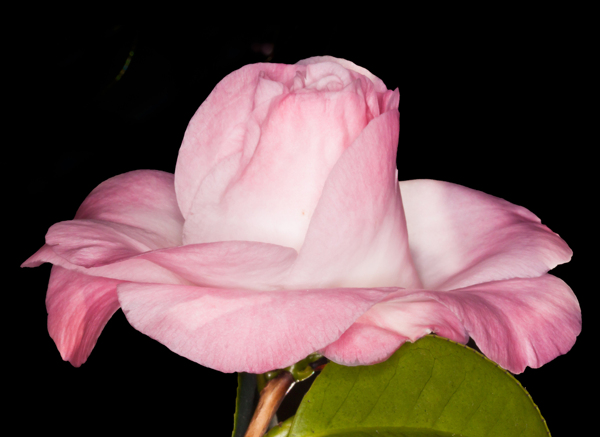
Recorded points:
(487, 103)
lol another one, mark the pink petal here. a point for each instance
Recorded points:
(363, 344)
(269, 191)
(460, 237)
(78, 308)
(379, 85)
(241, 330)
(383, 99)
(132, 269)
(228, 264)
(518, 322)
(143, 198)
(405, 315)
(217, 130)
(357, 236)
(93, 243)
(124, 216)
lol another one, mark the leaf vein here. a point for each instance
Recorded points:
(381, 394)
(450, 398)
(424, 386)
(345, 399)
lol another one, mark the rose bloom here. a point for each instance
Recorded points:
(284, 231)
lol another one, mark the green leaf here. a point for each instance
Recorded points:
(433, 387)
(245, 403)
(282, 429)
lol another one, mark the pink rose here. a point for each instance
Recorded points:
(284, 231)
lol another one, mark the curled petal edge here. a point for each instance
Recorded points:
(79, 306)
(515, 323)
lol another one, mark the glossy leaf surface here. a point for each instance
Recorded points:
(433, 387)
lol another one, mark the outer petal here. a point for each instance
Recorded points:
(358, 235)
(242, 330)
(124, 216)
(143, 198)
(132, 269)
(460, 237)
(93, 243)
(78, 308)
(229, 264)
(518, 322)
(405, 315)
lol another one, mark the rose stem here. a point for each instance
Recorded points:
(270, 399)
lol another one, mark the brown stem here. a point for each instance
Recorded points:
(270, 399)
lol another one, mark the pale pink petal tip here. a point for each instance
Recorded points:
(38, 258)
